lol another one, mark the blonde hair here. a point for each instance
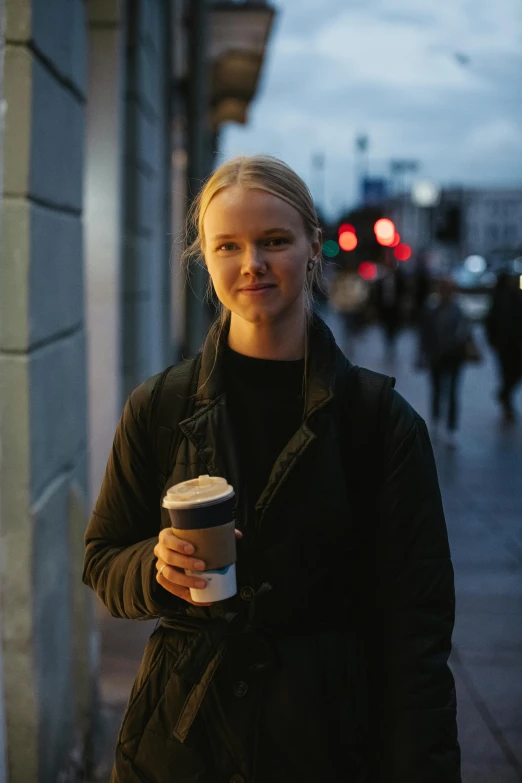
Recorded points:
(264, 173)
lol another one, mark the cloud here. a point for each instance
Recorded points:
(496, 136)
(388, 68)
(372, 51)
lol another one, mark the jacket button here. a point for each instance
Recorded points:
(247, 593)
(237, 779)
(240, 690)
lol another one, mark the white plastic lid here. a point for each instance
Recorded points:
(201, 491)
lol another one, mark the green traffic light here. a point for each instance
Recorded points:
(330, 248)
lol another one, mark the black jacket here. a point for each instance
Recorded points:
(444, 331)
(504, 320)
(331, 662)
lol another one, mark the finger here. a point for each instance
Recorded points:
(179, 591)
(180, 578)
(238, 533)
(169, 539)
(178, 561)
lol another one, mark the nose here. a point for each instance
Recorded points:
(253, 262)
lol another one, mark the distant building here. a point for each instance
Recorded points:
(492, 222)
(481, 221)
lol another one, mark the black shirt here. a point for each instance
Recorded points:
(265, 403)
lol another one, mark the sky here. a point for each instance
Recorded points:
(435, 81)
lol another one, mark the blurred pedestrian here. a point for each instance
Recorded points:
(331, 662)
(421, 284)
(349, 294)
(390, 290)
(444, 334)
(504, 331)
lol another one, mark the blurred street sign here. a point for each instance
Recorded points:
(362, 142)
(374, 190)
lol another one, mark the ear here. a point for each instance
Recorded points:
(316, 244)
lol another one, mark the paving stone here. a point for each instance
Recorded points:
(498, 773)
(477, 741)
(500, 688)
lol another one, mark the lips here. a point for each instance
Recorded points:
(260, 287)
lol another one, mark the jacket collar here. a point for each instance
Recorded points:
(210, 424)
(322, 366)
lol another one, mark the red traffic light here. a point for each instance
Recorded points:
(348, 241)
(384, 231)
(402, 252)
(367, 270)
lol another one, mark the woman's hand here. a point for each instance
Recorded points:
(174, 557)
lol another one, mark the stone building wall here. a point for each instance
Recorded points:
(43, 475)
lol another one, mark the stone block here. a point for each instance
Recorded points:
(41, 283)
(56, 278)
(499, 686)
(18, 14)
(78, 47)
(16, 559)
(18, 119)
(478, 742)
(14, 274)
(57, 145)
(83, 635)
(57, 408)
(52, 584)
(104, 11)
(14, 440)
(514, 740)
(59, 33)
(482, 773)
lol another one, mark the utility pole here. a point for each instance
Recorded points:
(399, 169)
(318, 179)
(362, 164)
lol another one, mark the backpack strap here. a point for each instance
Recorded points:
(364, 404)
(373, 391)
(172, 401)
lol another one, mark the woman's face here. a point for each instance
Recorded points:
(257, 250)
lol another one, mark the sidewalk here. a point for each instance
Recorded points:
(481, 485)
(482, 490)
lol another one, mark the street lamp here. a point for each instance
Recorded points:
(425, 193)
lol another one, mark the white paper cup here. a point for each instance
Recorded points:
(201, 513)
(221, 584)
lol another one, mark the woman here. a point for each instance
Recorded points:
(445, 331)
(331, 661)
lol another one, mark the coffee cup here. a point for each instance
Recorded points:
(201, 513)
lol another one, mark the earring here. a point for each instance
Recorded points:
(310, 265)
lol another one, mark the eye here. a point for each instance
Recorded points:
(227, 246)
(277, 242)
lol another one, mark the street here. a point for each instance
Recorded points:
(482, 492)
